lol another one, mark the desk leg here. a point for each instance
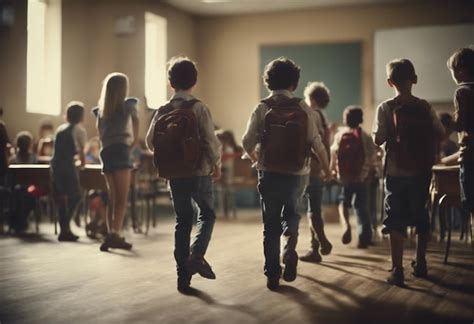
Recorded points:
(449, 219)
(135, 225)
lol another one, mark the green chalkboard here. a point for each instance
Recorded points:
(337, 65)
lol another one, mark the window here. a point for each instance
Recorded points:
(43, 71)
(155, 59)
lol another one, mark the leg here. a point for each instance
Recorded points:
(111, 200)
(344, 205)
(121, 179)
(360, 206)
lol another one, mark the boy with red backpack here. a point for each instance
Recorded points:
(410, 130)
(352, 153)
(187, 152)
(280, 135)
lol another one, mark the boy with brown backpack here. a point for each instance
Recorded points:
(280, 135)
(187, 152)
(410, 130)
(352, 154)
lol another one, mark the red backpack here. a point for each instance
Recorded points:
(351, 156)
(413, 146)
(177, 148)
(285, 135)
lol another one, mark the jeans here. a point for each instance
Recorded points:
(65, 182)
(358, 193)
(279, 194)
(314, 193)
(183, 192)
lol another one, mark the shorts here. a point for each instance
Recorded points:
(466, 179)
(115, 157)
(65, 182)
(405, 204)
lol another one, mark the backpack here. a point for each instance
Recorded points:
(176, 141)
(285, 143)
(351, 156)
(413, 145)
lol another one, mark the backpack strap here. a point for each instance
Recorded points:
(282, 102)
(323, 119)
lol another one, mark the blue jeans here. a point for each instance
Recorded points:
(183, 191)
(314, 194)
(279, 194)
(358, 193)
(466, 178)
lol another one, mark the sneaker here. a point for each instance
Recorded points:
(114, 241)
(67, 236)
(347, 236)
(197, 264)
(312, 256)
(184, 282)
(273, 282)
(396, 277)
(326, 248)
(290, 259)
(420, 269)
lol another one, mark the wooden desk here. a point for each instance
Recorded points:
(27, 174)
(91, 177)
(445, 192)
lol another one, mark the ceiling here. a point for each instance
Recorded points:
(235, 7)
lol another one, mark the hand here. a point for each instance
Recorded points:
(216, 173)
(145, 102)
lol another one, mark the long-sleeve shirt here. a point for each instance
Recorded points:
(210, 145)
(252, 138)
(384, 133)
(464, 119)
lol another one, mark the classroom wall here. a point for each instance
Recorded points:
(228, 49)
(90, 51)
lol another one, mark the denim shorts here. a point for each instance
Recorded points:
(405, 203)
(466, 178)
(115, 157)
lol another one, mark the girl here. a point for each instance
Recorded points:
(113, 115)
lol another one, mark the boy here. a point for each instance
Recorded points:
(280, 133)
(352, 154)
(191, 182)
(410, 129)
(70, 139)
(317, 97)
(461, 64)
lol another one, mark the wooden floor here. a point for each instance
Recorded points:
(44, 281)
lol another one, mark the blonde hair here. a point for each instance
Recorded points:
(114, 91)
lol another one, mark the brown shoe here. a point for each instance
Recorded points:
(197, 264)
(312, 256)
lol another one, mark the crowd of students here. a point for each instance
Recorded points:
(290, 142)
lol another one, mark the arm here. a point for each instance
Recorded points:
(460, 111)
(135, 128)
(380, 131)
(252, 135)
(210, 143)
(149, 134)
(316, 141)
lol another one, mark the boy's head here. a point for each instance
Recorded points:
(401, 73)
(317, 94)
(182, 73)
(281, 74)
(461, 64)
(446, 120)
(353, 116)
(75, 112)
(46, 128)
(24, 140)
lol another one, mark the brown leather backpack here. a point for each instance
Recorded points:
(178, 150)
(285, 135)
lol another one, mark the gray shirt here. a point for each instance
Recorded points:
(116, 129)
(253, 135)
(210, 145)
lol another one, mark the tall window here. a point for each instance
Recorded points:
(43, 72)
(155, 59)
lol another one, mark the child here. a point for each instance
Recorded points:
(317, 97)
(24, 155)
(410, 129)
(44, 147)
(113, 115)
(189, 172)
(279, 135)
(70, 139)
(461, 64)
(351, 156)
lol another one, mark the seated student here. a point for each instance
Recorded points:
(461, 64)
(280, 133)
(410, 129)
(352, 154)
(190, 172)
(44, 146)
(24, 154)
(317, 97)
(70, 139)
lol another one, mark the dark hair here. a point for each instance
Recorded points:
(182, 73)
(401, 70)
(353, 116)
(23, 142)
(74, 112)
(463, 58)
(46, 123)
(446, 119)
(281, 73)
(318, 92)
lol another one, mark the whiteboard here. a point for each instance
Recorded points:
(428, 47)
